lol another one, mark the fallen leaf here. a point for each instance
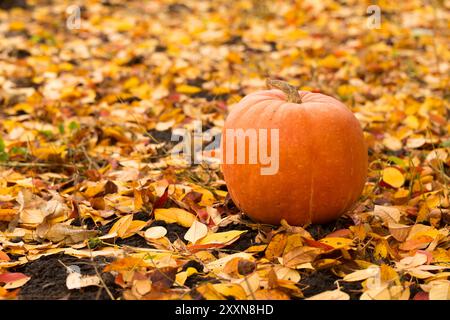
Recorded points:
(77, 281)
(270, 294)
(230, 290)
(359, 275)
(276, 246)
(337, 243)
(221, 237)
(330, 295)
(196, 232)
(155, 232)
(13, 280)
(300, 255)
(393, 177)
(175, 215)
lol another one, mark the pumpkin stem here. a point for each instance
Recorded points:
(290, 91)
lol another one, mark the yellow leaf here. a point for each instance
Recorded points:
(131, 83)
(182, 276)
(186, 89)
(44, 153)
(380, 250)
(221, 237)
(134, 227)
(257, 248)
(401, 193)
(231, 290)
(209, 293)
(121, 226)
(220, 90)
(270, 294)
(388, 273)
(441, 256)
(293, 240)
(175, 215)
(7, 214)
(116, 133)
(326, 263)
(207, 197)
(138, 201)
(337, 243)
(393, 177)
(330, 61)
(16, 26)
(412, 122)
(276, 246)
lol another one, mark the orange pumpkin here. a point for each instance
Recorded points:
(322, 156)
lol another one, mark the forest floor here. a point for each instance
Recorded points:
(93, 205)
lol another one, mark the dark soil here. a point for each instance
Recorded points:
(319, 231)
(320, 281)
(134, 241)
(48, 279)
(174, 231)
(245, 241)
(9, 4)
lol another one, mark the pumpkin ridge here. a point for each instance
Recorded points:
(255, 105)
(311, 165)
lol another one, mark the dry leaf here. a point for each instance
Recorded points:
(77, 281)
(196, 232)
(393, 177)
(330, 295)
(155, 232)
(175, 215)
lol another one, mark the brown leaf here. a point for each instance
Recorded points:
(276, 246)
(300, 255)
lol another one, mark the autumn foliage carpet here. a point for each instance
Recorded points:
(93, 205)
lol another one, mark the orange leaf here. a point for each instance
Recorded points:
(276, 246)
(4, 256)
(11, 277)
(419, 242)
(341, 233)
(127, 263)
(198, 247)
(121, 226)
(317, 244)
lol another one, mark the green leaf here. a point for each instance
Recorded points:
(446, 144)
(47, 133)
(61, 128)
(18, 150)
(2, 145)
(397, 161)
(73, 126)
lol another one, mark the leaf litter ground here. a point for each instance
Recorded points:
(93, 205)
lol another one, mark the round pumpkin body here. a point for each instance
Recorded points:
(322, 158)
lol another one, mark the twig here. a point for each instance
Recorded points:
(37, 164)
(99, 275)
